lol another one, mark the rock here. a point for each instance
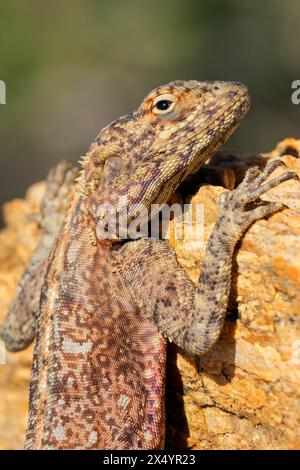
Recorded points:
(18, 241)
(244, 393)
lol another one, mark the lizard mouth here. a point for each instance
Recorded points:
(221, 130)
(210, 138)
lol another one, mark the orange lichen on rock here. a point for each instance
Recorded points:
(18, 241)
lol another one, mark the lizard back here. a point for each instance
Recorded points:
(98, 373)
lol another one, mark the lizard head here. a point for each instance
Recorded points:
(141, 158)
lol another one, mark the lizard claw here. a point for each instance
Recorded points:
(237, 203)
(260, 175)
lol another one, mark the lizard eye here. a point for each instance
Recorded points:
(163, 104)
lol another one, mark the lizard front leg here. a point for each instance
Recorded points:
(193, 318)
(18, 330)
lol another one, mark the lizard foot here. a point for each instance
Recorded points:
(243, 206)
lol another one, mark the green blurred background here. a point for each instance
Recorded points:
(71, 66)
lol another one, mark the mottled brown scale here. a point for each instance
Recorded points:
(107, 307)
(89, 384)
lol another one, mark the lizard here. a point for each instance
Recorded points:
(104, 308)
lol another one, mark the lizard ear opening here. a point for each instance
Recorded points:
(113, 167)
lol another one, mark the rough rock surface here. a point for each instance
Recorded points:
(17, 241)
(244, 393)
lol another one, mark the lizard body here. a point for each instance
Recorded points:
(107, 307)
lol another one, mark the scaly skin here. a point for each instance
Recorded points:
(19, 328)
(107, 306)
